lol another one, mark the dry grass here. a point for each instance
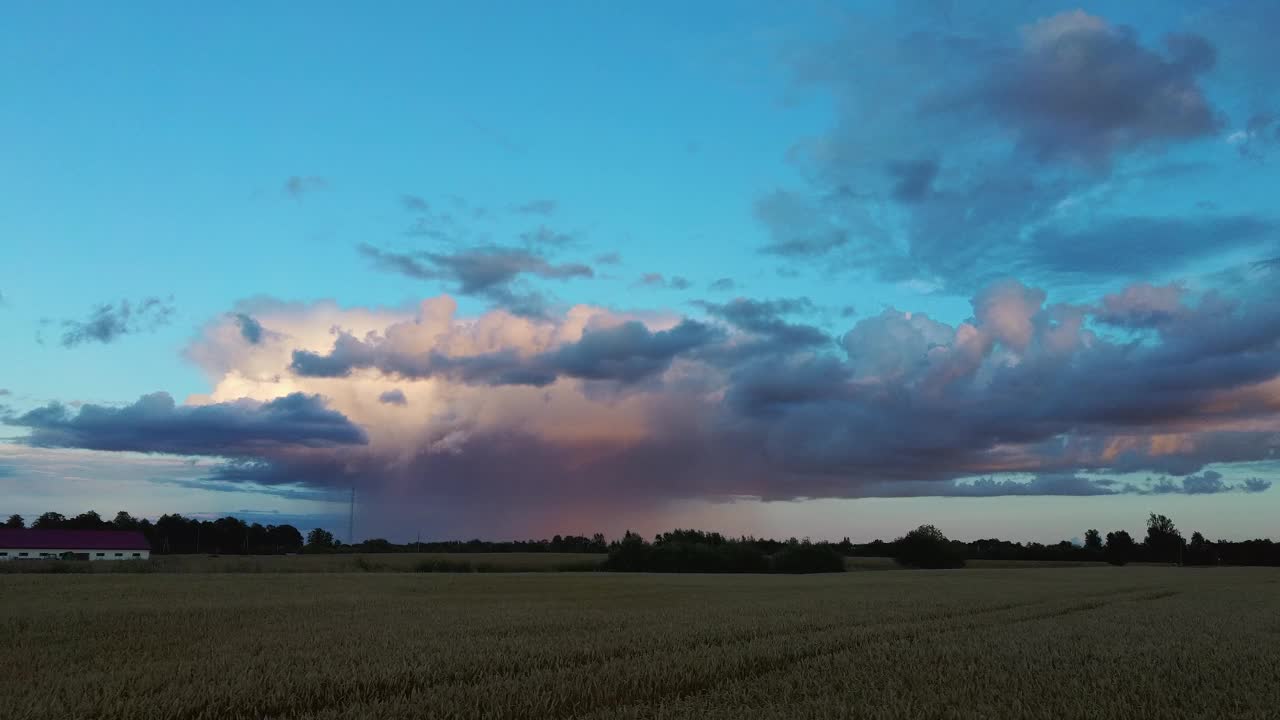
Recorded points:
(1063, 643)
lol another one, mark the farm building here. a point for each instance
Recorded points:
(18, 544)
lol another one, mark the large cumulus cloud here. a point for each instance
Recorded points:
(1135, 393)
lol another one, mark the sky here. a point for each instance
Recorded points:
(510, 270)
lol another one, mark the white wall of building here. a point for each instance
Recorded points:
(53, 554)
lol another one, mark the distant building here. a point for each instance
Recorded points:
(81, 544)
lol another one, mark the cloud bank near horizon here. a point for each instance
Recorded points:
(1136, 393)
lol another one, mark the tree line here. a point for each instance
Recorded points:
(925, 546)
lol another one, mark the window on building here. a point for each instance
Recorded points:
(22, 554)
(4, 553)
(102, 554)
(138, 555)
(119, 554)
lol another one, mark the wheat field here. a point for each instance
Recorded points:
(1029, 643)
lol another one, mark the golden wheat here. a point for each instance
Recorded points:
(1033, 643)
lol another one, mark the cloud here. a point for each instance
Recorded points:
(297, 185)
(1139, 246)
(282, 492)
(609, 258)
(250, 329)
(1143, 305)
(658, 280)
(1082, 89)
(5, 391)
(536, 207)
(1209, 482)
(590, 412)
(110, 321)
(625, 353)
(722, 285)
(394, 396)
(913, 181)
(985, 149)
(414, 203)
(797, 228)
(764, 317)
(155, 424)
(488, 272)
(545, 236)
(1256, 485)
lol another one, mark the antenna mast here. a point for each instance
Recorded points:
(351, 519)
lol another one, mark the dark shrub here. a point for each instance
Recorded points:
(808, 558)
(927, 547)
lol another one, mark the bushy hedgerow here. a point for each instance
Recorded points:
(691, 552)
(803, 558)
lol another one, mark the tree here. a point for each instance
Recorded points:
(284, 538)
(124, 521)
(1200, 551)
(926, 547)
(86, 521)
(50, 521)
(319, 540)
(1164, 542)
(1119, 548)
(15, 521)
(1093, 540)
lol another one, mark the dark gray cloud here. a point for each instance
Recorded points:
(1255, 485)
(1140, 246)
(1208, 482)
(912, 181)
(250, 329)
(487, 272)
(537, 207)
(155, 424)
(110, 321)
(627, 353)
(5, 391)
(393, 397)
(919, 398)
(298, 185)
(658, 280)
(722, 285)
(1082, 89)
(765, 317)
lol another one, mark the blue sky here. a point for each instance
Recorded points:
(910, 184)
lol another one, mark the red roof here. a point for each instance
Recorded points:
(12, 538)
